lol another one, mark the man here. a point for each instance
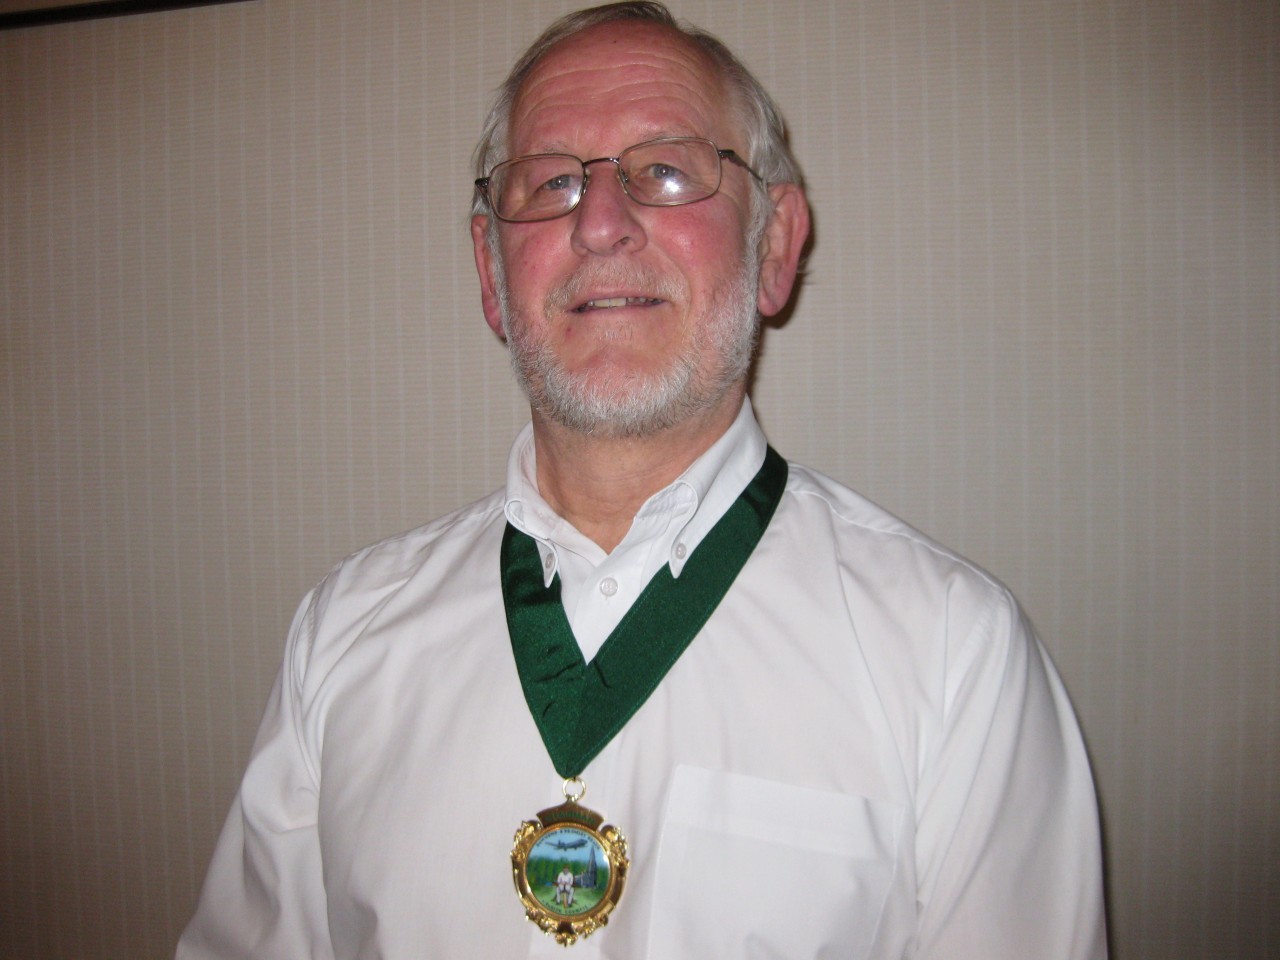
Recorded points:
(821, 733)
(564, 887)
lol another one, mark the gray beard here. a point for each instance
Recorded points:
(646, 405)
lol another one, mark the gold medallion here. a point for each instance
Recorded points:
(568, 869)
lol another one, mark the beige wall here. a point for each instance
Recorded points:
(241, 338)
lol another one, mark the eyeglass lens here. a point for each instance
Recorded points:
(658, 173)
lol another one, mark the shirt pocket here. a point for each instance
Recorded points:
(752, 869)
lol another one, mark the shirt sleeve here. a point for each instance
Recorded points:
(263, 898)
(1008, 846)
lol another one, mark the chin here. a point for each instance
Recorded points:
(610, 406)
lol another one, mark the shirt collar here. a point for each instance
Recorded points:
(698, 498)
(529, 513)
(716, 479)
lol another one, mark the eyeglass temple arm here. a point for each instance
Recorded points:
(732, 157)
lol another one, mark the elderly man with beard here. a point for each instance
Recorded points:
(821, 733)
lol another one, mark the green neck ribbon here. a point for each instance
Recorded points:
(580, 706)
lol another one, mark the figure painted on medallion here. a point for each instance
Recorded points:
(564, 887)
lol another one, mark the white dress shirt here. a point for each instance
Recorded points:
(864, 753)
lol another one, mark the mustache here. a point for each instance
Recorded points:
(596, 276)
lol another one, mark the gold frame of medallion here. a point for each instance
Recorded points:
(568, 928)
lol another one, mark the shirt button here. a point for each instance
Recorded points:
(681, 550)
(549, 561)
(608, 586)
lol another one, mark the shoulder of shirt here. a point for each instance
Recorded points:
(409, 547)
(384, 565)
(865, 523)
(880, 556)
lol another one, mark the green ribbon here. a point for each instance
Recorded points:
(580, 706)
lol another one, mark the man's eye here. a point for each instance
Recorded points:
(563, 182)
(663, 171)
(661, 183)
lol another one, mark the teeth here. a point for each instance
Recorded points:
(618, 302)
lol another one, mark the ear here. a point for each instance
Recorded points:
(489, 300)
(780, 247)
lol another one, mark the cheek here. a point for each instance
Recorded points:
(522, 273)
(707, 267)
(530, 258)
(707, 245)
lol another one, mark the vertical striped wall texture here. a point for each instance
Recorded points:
(241, 337)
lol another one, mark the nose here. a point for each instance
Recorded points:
(605, 222)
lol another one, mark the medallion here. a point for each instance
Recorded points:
(568, 869)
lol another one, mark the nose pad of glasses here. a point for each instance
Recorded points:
(618, 170)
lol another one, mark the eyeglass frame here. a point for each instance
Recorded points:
(482, 184)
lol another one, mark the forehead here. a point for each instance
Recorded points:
(619, 81)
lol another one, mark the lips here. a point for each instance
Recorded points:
(614, 286)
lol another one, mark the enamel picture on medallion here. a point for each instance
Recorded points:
(569, 871)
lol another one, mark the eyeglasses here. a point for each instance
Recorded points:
(657, 173)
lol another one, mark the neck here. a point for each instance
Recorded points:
(599, 483)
